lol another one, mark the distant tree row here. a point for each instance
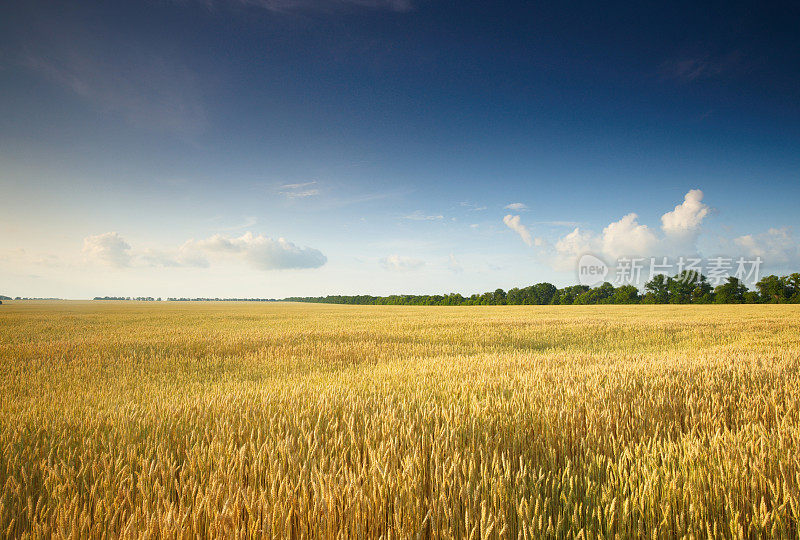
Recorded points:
(171, 299)
(685, 288)
(27, 298)
(221, 299)
(137, 298)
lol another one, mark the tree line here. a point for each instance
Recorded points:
(176, 299)
(688, 287)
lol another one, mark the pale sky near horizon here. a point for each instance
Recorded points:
(274, 148)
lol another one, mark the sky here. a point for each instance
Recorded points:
(274, 148)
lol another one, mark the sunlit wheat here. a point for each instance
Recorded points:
(251, 420)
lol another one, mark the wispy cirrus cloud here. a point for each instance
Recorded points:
(454, 264)
(300, 185)
(300, 190)
(515, 224)
(147, 86)
(690, 68)
(517, 207)
(472, 207)
(248, 222)
(419, 215)
(399, 263)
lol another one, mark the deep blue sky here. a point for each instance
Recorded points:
(384, 141)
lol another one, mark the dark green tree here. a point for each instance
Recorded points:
(499, 297)
(773, 290)
(731, 292)
(703, 292)
(544, 293)
(680, 287)
(626, 294)
(514, 297)
(658, 289)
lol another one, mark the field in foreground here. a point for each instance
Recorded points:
(286, 420)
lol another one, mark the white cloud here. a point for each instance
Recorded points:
(107, 248)
(186, 256)
(513, 223)
(19, 257)
(572, 246)
(776, 246)
(299, 190)
(302, 194)
(517, 207)
(627, 237)
(398, 263)
(420, 216)
(262, 252)
(686, 218)
(454, 264)
(256, 250)
(472, 207)
(298, 185)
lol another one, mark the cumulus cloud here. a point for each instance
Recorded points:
(256, 250)
(107, 248)
(517, 207)
(628, 237)
(686, 218)
(262, 252)
(570, 247)
(514, 223)
(776, 246)
(398, 263)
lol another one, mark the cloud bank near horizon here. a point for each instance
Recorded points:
(678, 235)
(256, 250)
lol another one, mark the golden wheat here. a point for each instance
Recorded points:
(305, 421)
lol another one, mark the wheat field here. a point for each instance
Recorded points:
(250, 420)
